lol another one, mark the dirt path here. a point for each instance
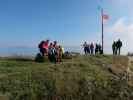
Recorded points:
(130, 60)
(130, 72)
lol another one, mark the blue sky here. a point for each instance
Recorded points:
(27, 22)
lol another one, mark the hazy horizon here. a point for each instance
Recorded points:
(32, 51)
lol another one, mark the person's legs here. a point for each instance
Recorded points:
(95, 51)
(50, 58)
(54, 58)
(41, 51)
(60, 57)
(91, 51)
(85, 50)
(100, 51)
(44, 51)
(119, 51)
(116, 51)
(113, 51)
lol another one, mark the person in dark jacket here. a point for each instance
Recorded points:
(96, 48)
(88, 48)
(40, 46)
(100, 49)
(92, 48)
(52, 53)
(114, 49)
(85, 47)
(119, 45)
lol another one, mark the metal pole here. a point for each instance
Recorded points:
(102, 31)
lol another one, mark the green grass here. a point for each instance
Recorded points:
(81, 78)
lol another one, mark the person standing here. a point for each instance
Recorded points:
(114, 49)
(100, 49)
(88, 48)
(92, 48)
(45, 47)
(55, 44)
(63, 51)
(96, 49)
(119, 45)
(52, 53)
(40, 46)
(59, 54)
(85, 47)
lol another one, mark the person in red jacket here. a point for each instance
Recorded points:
(45, 46)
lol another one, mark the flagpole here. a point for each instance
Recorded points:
(102, 31)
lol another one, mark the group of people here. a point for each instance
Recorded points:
(55, 52)
(97, 48)
(92, 49)
(52, 50)
(116, 47)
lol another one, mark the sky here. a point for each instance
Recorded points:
(24, 23)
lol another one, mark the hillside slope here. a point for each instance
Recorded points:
(81, 78)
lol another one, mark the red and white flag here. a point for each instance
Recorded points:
(105, 17)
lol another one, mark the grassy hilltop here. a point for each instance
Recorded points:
(80, 78)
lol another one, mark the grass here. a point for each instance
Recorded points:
(81, 78)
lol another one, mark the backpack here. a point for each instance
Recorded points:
(40, 44)
(120, 44)
(52, 51)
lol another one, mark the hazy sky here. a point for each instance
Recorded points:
(26, 22)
